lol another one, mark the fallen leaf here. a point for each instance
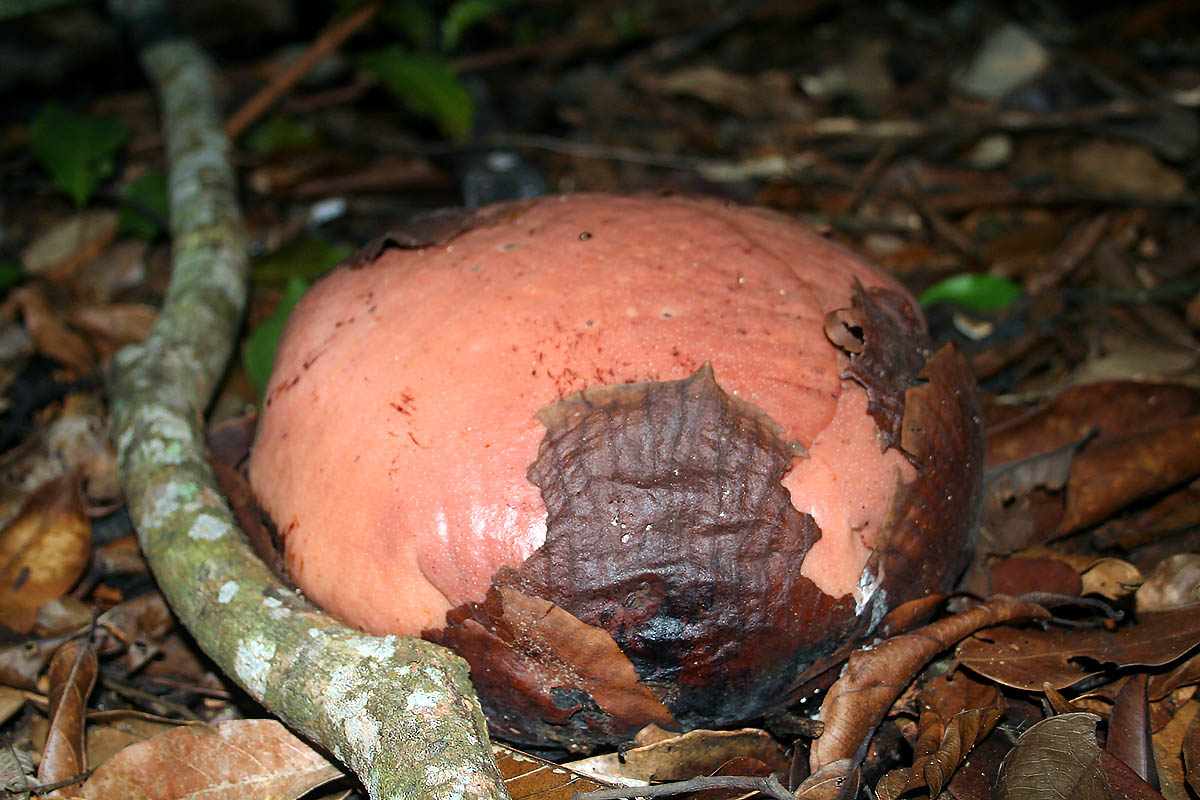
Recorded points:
(1173, 583)
(528, 777)
(43, 551)
(835, 780)
(22, 663)
(1124, 783)
(1056, 759)
(873, 678)
(1019, 575)
(1129, 730)
(1114, 169)
(11, 701)
(1191, 754)
(1186, 674)
(50, 335)
(236, 759)
(681, 757)
(117, 324)
(1025, 659)
(1168, 750)
(940, 750)
(73, 672)
(1111, 578)
(1110, 474)
(65, 247)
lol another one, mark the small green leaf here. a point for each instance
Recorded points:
(145, 206)
(973, 291)
(427, 85)
(258, 353)
(464, 15)
(281, 132)
(10, 274)
(76, 149)
(307, 257)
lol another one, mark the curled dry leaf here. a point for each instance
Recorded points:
(1186, 674)
(699, 752)
(73, 672)
(50, 335)
(1026, 659)
(1173, 583)
(875, 677)
(1056, 759)
(236, 759)
(43, 551)
(940, 750)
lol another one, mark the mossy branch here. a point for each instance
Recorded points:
(400, 712)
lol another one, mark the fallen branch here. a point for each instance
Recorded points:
(400, 712)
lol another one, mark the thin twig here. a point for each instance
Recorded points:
(769, 786)
(330, 40)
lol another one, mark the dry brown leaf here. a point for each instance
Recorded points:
(685, 756)
(20, 664)
(528, 777)
(1173, 583)
(138, 625)
(62, 249)
(1191, 754)
(1129, 729)
(11, 701)
(1168, 750)
(1027, 659)
(1113, 408)
(1111, 578)
(941, 749)
(1056, 759)
(1113, 472)
(835, 780)
(1186, 674)
(73, 672)
(50, 335)
(118, 324)
(874, 678)
(236, 759)
(43, 551)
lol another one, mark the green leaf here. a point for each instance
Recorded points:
(281, 132)
(145, 206)
(427, 85)
(974, 291)
(464, 15)
(258, 353)
(76, 149)
(10, 274)
(307, 257)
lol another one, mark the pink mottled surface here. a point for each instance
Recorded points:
(400, 419)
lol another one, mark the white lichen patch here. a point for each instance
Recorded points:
(252, 664)
(208, 528)
(868, 583)
(377, 648)
(419, 699)
(162, 424)
(171, 498)
(227, 591)
(347, 707)
(271, 602)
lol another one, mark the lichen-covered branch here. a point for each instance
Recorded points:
(399, 712)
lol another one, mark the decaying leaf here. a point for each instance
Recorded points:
(43, 551)
(835, 780)
(73, 672)
(874, 678)
(21, 663)
(940, 750)
(1168, 749)
(1129, 730)
(1173, 583)
(1056, 759)
(1186, 674)
(215, 763)
(1026, 659)
(1112, 473)
(1191, 755)
(50, 335)
(700, 752)
(528, 777)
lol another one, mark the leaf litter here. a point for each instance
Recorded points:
(1055, 190)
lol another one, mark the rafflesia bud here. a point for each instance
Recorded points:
(636, 459)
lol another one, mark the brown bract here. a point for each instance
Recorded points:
(701, 447)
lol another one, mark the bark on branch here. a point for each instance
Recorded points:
(399, 712)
